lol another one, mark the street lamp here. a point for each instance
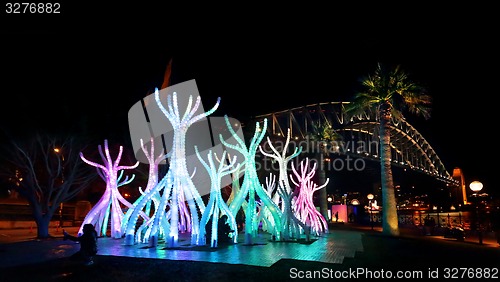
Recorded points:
(476, 186)
(61, 156)
(370, 198)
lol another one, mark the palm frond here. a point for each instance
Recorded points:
(391, 87)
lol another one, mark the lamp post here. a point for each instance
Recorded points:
(476, 186)
(370, 198)
(61, 156)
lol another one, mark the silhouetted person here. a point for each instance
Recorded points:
(223, 230)
(88, 243)
(337, 216)
(240, 220)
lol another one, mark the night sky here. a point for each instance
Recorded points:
(82, 73)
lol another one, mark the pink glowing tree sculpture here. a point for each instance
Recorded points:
(304, 205)
(216, 203)
(111, 200)
(282, 160)
(148, 202)
(183, 189)
(251, 185)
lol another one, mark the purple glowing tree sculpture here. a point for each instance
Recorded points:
(111, 200)
(304, 205)
(216, 203)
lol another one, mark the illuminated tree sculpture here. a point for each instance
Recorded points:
(251, 184)
(158, 224)
(292, 226)
(264, 214)
(304, 205)
(282, 160)
(235, 186)
(111, 200)
(148, 202)
(183, 188)
(216, 203)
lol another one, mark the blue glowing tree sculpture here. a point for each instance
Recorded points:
(264, 216)
(183, 189)
(111, 201)
(292, 226)
(216, 204)
(235, 186)
(304, 205)
(282, 160)
(148, 202)
(158, 225)
(251, 185)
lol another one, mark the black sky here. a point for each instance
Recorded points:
(85, 70)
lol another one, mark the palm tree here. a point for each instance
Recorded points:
(326, 137)
(389, 92)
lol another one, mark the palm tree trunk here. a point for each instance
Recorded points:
(389, 210)
(323, 203)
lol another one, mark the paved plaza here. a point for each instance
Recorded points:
(332, 247)
(329, 248)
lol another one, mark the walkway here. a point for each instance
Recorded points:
(329, 248)
(18, 247)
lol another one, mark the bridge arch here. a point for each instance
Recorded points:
(360, 136)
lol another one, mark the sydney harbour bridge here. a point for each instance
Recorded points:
(359, 139)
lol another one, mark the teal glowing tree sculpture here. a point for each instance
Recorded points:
(263, 214)
(216, 203)
(304, 205)
(282, 160)
(292, 226)
(235, 186)
(111, 200)
(251, 185)
(147, 203)
(158, 224)
(183, 189)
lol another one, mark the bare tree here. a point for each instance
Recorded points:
(46, 171)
